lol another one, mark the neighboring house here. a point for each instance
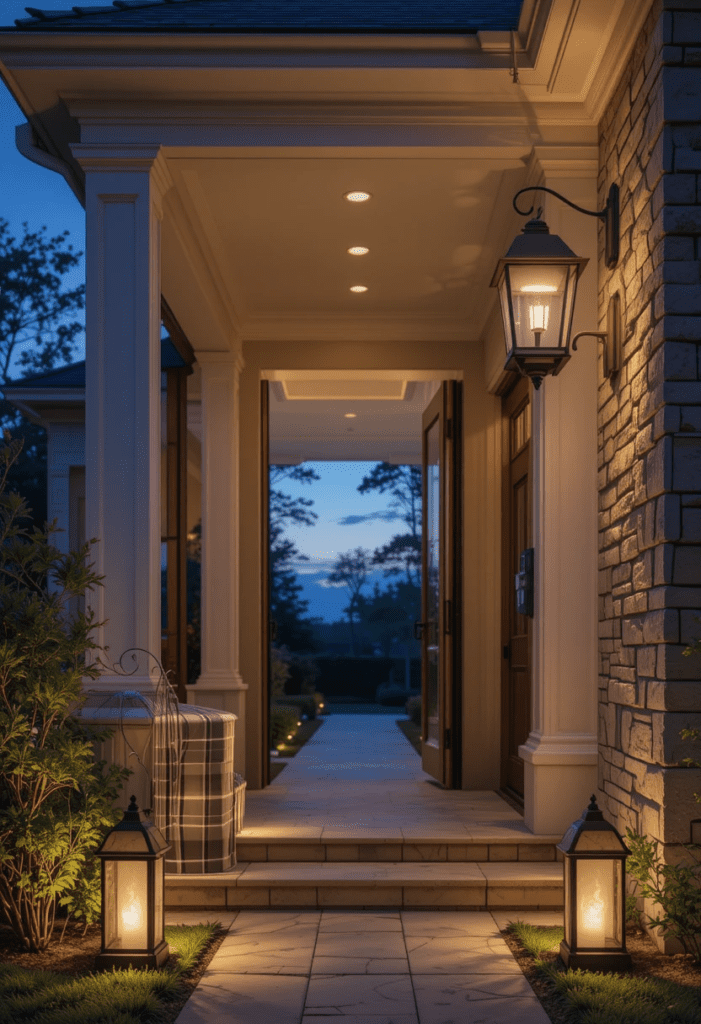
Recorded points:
(213, 145)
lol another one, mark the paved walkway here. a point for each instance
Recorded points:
(359, 776)
(404, 967)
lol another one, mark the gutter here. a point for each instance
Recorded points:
(25, 141)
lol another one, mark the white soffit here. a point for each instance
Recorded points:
(320, 390)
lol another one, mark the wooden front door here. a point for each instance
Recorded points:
(440, 613)
(517, 628)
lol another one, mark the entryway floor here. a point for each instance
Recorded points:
(359, 777)
(402, 967)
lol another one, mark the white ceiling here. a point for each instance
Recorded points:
(318, 430)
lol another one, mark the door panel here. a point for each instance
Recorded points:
(441, 526)
(517, 537)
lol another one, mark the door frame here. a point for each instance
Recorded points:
(514, 399)
(446, 764)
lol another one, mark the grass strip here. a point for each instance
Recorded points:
(607, 998)
(111, 997)
(618, 999)
(537, 939)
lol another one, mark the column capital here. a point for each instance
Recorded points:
(230, 358)
(110, 158)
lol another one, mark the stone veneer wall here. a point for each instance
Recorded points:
(650, 433)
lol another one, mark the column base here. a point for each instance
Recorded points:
(559, 777)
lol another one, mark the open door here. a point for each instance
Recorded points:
(517, 615)
(265, 563)
(440, 583)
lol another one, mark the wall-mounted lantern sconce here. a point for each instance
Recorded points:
(595, 897)
(133, 876)
(537, 282)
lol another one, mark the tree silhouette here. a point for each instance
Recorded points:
(287, 608)
(402, 554)
(351, 569)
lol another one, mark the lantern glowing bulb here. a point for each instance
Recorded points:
(132, 913)
(593, 920)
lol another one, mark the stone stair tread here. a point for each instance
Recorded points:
(282, 873)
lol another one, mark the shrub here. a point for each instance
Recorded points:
(412, 709)
(304, 705)
(55, 801)
(283, 721)
(673, 887)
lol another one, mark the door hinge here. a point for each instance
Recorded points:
(446, 738)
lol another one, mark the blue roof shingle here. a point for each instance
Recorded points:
(298, 16)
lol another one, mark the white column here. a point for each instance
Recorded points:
(219, 684)
(122, 410)
(560, 754)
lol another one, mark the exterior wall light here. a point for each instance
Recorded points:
(537, 282)
(595, 898)
(133, 883)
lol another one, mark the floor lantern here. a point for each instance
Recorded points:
(133, 882)
(595, 897)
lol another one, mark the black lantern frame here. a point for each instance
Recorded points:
(537, 282)
(595, 894)
(133, 893)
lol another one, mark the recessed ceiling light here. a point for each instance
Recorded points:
(357, 197)
(359, 288)
(350, 415)
(358, 250)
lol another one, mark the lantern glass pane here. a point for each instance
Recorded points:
(568, 307)
(568, 903)
(598, 899)
(126, 892)
(591, 841)
(158, 903)
(538, 297)
(506, 312)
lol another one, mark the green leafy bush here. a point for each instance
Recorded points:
(673, 887)
(283, 721)
(55, 801)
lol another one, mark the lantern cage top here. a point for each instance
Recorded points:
(134, 836)
(592, 836)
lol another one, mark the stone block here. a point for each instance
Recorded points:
(635, 603)
(687, 464)
(503, 851)
(691, 524)
(686, 160)
(690, 418)
(674, 695)
(679, 806)
(690, 631)
(684, 299)
(658, 467)
(673, 665)
(681, 89)
(667, 518)
(687, 27)
(642, 571)
(622, 693)
(632, 630)
(661, 626)
(678, 220)
(674, 250)
(687, 564)
(664, 562)
(666, 421)
(646, 661)
(668, 747)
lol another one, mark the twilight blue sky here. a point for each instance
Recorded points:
(33, 194)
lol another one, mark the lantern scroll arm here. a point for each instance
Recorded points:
(601, 335)
(610, 216)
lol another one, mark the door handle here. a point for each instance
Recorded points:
(419, 629)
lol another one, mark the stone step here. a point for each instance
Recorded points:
(485, 885)
(500, 847)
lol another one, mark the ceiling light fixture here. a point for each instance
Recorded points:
(350, 415)
(357, 197)
(359, 288)
(358, 250)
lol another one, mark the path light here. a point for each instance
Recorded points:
(133, 877)
(537, 282)
(595, 897)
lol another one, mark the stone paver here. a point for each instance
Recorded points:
(404, 967)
